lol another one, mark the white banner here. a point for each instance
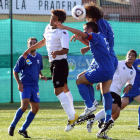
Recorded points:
(37, 7)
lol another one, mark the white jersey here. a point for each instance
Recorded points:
(56, 39)
(123, 75)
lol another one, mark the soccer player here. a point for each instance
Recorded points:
(30, 69)
(134, 93)
(57, 44)
(125, 74)
(101, 70)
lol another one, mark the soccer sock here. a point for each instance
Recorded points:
(71, 100)
(139, 116)
(91, 92)
(84, 92)
(99, 115)
(107, 102)
(65, 102)
(17, 117)
(29, 119)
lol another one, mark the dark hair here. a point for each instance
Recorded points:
(93, 11)
(93, 26)
(60, 13)
(32, 38)
(133, 52)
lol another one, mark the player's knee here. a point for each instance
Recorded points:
(35, 109)
(24, 107)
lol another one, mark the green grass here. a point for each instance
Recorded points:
(51, 120)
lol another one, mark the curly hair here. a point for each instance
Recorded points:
(60, 13)
(93, 11)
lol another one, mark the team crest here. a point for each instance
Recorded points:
(28, 62)
(138, 67)
(38, 96)
(131, 72)
(124, 68)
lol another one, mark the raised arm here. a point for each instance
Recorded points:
(34, 47)
(75, 31)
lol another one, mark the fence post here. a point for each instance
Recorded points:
(11, 35)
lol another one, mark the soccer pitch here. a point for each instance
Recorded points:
(51, 120)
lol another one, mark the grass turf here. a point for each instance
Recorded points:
(51, 120)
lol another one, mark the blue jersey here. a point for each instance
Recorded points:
(29, 69)
(136, 65)
(105, 28)
(100, 51)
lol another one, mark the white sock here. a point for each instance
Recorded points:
(71, 100)
(99, 115)
(65, 102)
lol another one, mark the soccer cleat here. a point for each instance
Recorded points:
(100, 123)
(23, 133)
(11, 131)
(138, 127)
(95, 103)
(89, 126)
(86, 118)
(106, 127)
(103, 137)
(71, 123)
(88, 111)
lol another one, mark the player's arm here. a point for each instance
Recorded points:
(42, 77)
(85, 49)
(127, 88)
(20, 85)
(75, 31)
(34, 47)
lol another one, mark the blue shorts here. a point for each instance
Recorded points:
(134, 92)
(30, 92)
(115, 62)
(95, 76)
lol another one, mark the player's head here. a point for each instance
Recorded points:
(90, 27)
(131, 56)
(57, 15)
(93, 12)
(31, 41)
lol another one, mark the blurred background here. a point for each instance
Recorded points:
(22, 19)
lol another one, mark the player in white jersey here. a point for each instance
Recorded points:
(124, 76)
(57, 44)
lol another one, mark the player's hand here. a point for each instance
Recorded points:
(53, 53)
(75, 37)
(126, 90)
(43, 78)
(26, 53)
(59, 25)
(20, 87)
(98, 86)
(84, 50)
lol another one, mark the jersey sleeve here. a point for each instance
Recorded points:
(47, 27)
(64, 38)
(41, 63)
(19, 64)
(92, 37)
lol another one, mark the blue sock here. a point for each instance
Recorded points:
(139, 116)
(91, 92)
(17, 117)
(84, 92)
(29, 119)
(103, 119)
(107, 102)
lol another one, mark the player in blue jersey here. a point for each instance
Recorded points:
(101, 70)
(30, 69)
(134, 93)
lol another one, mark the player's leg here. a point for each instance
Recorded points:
(125, 102)
(82, 83)
(34, 104)
(137, 98)
(68, 93)
(25, 95)
(107, 103)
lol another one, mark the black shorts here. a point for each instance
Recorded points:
(116, 99)
(59, 71)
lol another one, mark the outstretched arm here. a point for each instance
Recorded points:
(34, 47)
(75, 31)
